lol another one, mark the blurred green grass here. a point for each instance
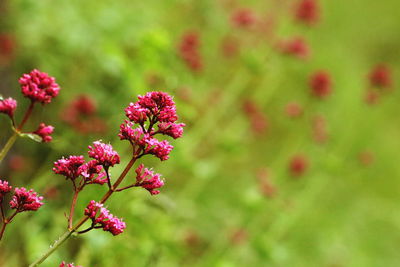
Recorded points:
(339, 214)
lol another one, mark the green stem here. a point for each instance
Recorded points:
(13, 137)
(52, 248)
(8, 146)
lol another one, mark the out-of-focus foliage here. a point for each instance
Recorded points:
(212, 211)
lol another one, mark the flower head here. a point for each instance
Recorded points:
(93, 172)
(160, 149)
(321, 84)
(175, 130)
(148, 179)
(69, 167)
(4, 189)
(307, 11)
(8, 106)
(104, 154)
(380, 76)
(294, 109)
(188, 50)
(243, 18)
(24, 200)
(45, 131)
(102, 217)
(39, 86)
(298, 165)
(296, 46)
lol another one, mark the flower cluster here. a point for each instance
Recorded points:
(307, 11)
(321, 84)
(8, 106)
(296, 47)
(152, 109)
(243, 18)
(81, 115)
(188, 50)
(39, 86)
(24, 200)
(102, 218)
(44, 131)
(148, 179)
(93, 171)
(298, 165)
(258, 120)
(380, 76)
(4, 189)
(104, 154)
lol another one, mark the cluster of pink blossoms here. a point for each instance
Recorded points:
(151, 110)
(148, 179)
(243, 18)
(102, 218)
(296, 46)
(38, 87)
(188, 50)
(22, 200)
(321, 84)
(91, 172)
(307, 11)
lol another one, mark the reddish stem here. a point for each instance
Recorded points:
(5, 222)
(72, 209)
(26, 116)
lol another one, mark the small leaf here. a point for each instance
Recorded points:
(32, 136)
(1, 97)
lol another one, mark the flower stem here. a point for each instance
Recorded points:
(8, 145)
(72, 209)
(13, 137)
(52, 248)
(67, 234)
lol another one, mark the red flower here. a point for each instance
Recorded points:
(321, 84)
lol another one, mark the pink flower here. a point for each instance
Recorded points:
(321, 84)
(157, 105)
(63, 264)
(298, 165)
(159, 149)
(380, 76)
(8, 106)
(136, 113)
(44, 131)
(104, 154)
(294, 110)
(4, 189)
(175, 130)
(104, 218)
(69, 167)
(24, 200)
(148, 179)
(136, 136)
(296, 46)
(243, 18)
(307, 11)
(188, 50)
(39, 86)
(92, 172)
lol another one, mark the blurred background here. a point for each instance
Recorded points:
(289, 156)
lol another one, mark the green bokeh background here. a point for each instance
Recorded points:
(340, 213)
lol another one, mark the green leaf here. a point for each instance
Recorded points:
(32, 136)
